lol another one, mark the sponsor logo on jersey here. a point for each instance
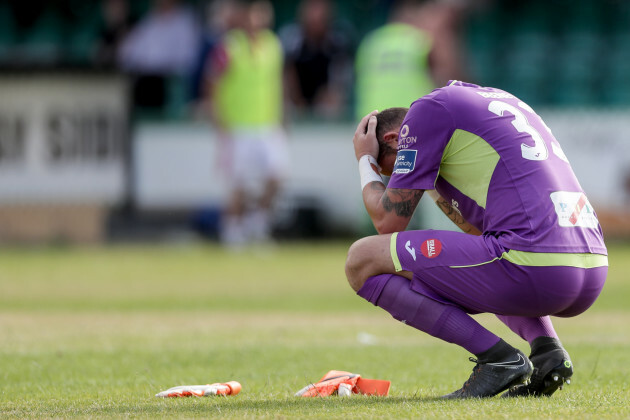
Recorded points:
(496, 95)
(404, 140)
(405, 161)
(573, 209)
(404, 131)
(431, 248)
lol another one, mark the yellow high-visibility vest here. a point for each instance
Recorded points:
(392, 68)
(249, 93)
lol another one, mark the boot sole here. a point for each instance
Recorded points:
(553, 381)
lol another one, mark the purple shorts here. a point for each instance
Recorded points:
(479, 275)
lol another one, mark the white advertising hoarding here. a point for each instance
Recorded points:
(62, 137)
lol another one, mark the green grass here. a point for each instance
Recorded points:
(97, 332)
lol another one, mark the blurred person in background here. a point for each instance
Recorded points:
(117, 21)
(221, 16)
(164, 43)
(442, 21)
(318, 63)
(392, 63)
(405, 58)
(246, 108)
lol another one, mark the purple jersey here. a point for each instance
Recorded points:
(494, 159)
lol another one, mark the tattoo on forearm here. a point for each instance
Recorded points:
(402, 202)
(454, 215)
(377, 186)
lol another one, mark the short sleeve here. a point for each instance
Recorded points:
(423, 136)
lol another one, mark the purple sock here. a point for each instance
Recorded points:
(449, 323)
(529, 328)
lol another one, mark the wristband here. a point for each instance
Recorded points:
(367, 172)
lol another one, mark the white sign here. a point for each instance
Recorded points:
(62, 138)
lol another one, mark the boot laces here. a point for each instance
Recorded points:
(473, 375)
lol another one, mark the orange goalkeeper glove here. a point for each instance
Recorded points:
(337, 382)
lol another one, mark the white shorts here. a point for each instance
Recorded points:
(255, 156)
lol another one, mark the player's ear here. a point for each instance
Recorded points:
(391, 138)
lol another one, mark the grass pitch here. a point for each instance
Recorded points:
(97, 332)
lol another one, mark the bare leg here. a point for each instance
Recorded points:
(259, 218)
(232, 231)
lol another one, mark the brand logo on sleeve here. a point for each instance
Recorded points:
(411, 250)
(405, 161)
(455, 206)
(431, 248)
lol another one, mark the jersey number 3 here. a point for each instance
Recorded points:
(539, 150)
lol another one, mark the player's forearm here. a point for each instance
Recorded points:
(212, 106)
(372, 196)
(372, 188)
(213, 114)
(390, 209)
(454, 215)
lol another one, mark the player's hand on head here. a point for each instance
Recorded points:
(364, 140)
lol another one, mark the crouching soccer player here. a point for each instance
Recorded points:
(534, 247)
